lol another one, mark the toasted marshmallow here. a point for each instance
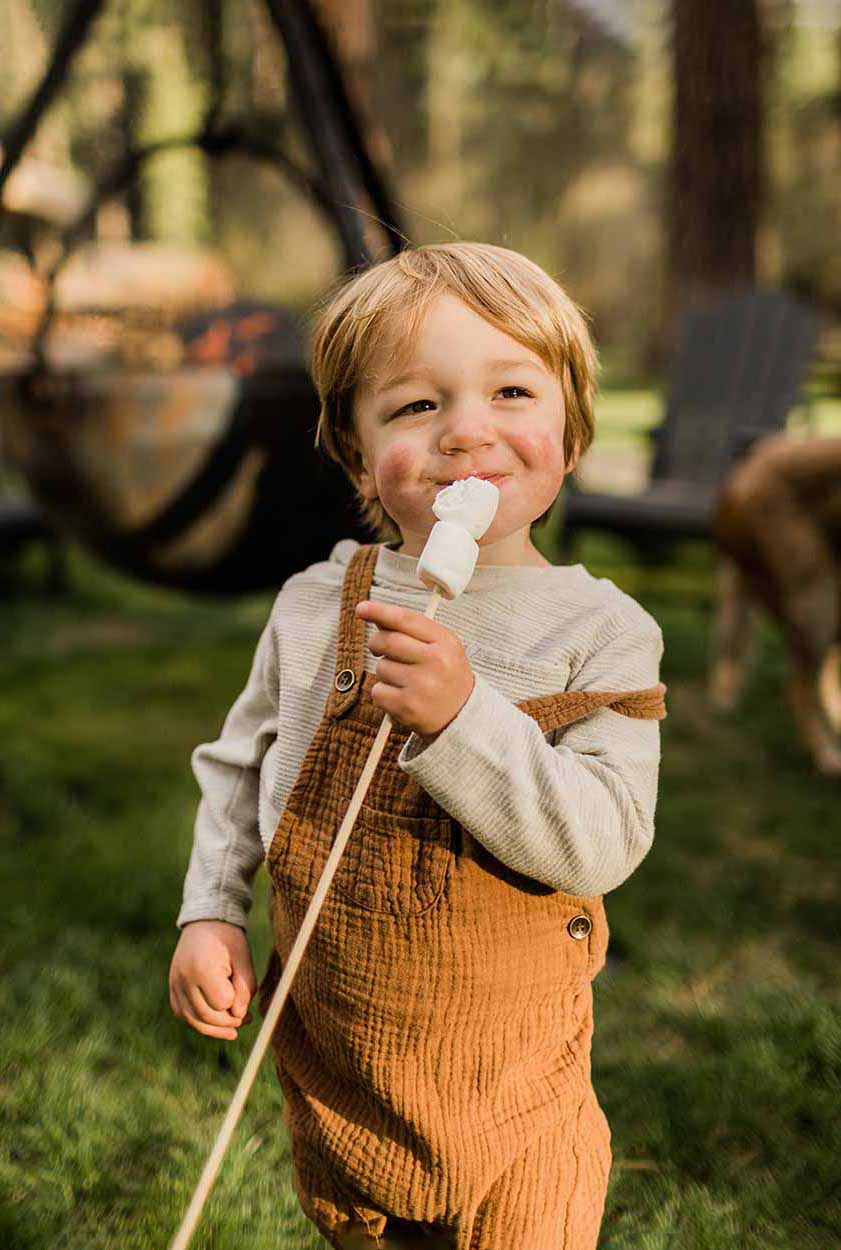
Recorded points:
(465, 510)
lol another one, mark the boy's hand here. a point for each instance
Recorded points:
(424, 677)
(211, 978)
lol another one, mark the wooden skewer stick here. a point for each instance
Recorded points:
(191, 1217)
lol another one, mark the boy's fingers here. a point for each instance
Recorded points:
(242, 994)
(184, 1012)
(218, 993)
(201, 1008)
(404, 620)
(394, 646)
(229, 1033)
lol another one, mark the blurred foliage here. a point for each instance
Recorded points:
(541, 126)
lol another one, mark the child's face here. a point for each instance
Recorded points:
(462, 412)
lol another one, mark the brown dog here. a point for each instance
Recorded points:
(777, 524)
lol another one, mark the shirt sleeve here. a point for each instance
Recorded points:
(573, 808)
(227, 850)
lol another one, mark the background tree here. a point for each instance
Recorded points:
(716, 175)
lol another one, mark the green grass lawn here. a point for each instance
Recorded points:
(717, 1053)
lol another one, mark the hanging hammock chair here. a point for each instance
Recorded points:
(203, 476)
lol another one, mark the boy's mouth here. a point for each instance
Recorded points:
(496, 478)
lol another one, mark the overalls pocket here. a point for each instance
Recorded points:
(392, 865)
(395, 865)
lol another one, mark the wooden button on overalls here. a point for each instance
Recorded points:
(434, 1052)
(580, 927)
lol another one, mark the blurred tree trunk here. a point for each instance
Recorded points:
(352, 31)
(716, 178)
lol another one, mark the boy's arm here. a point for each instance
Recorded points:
(227, 850)
(574, 808)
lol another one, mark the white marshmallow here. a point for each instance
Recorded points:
(466, 510)
(448, 559)
(471, 503)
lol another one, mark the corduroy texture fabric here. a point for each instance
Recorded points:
(434, 1052)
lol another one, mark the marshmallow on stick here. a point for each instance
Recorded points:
(465, 511)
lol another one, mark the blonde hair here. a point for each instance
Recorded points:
(502, 286)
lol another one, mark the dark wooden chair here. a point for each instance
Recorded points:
(737, 370)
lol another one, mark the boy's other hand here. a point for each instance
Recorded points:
(211, 978)
(424, 677)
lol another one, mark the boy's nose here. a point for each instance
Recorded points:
(467, 426)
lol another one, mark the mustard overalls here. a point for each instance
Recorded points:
(434, 1052)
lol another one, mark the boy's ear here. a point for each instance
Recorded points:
(366, 486)
(363, 480)
(575, 457)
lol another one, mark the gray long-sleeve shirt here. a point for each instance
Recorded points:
(573, 808)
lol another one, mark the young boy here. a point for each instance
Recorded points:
(435, 1050)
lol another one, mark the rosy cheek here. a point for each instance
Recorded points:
(395, 466)
(539, 446)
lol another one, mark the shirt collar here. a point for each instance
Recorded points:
(394, 568)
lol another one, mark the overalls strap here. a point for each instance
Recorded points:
(350, 649)
(554, 710)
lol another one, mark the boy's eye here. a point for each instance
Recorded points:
(415, 402)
